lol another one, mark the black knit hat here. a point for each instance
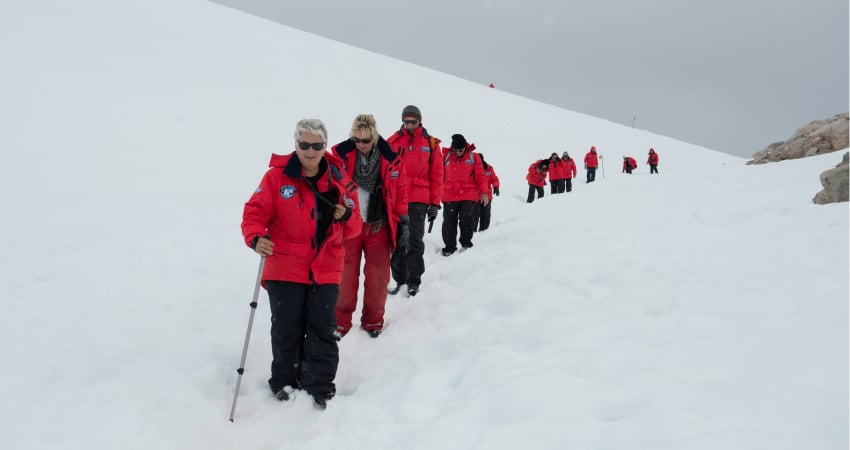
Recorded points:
(458, 141)
(411, 111)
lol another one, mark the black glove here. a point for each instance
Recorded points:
(403, 234)
(496, 191)
(432, 212)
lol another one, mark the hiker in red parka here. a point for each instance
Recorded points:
(591, 162)
(382, 194)
(463, 186)
(537, 178)
(629, 164)
(557, 174)
(297, 219)
(423, 165)
(481, 217)
(569, 171)
(652, 161)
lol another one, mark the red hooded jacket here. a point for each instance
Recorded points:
(536, 177)
(392, 177)
(464, 176)
(422, 163)
(629, 162)
(284, 207)
(590, 159)
(653, 157)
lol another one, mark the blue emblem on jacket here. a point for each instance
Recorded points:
(287, 191)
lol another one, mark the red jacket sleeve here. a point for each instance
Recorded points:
(258, 210)
(435, 174)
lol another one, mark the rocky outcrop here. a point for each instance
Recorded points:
(816, 138)
(836, 187)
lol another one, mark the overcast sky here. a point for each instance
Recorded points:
(731, 75)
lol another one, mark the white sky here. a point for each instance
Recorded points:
(701, 308)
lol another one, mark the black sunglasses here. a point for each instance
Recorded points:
(410, 121)
(315, 145)
(361, 141)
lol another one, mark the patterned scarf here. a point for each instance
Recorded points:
(366, 170)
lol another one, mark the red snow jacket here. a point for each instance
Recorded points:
(492, 180)
(557, 169)
(653, 157)
(570, 168)
(536, 176)
(629, 162)
(423, 164)
(464, 176)
(393, 180)
(590, 159)
(284, 207)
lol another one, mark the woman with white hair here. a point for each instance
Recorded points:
(297, 219)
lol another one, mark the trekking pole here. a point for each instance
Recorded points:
(602, 166)
(430, 225)
(253, 304)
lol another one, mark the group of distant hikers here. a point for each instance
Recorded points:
(317, 214)
(562, 169)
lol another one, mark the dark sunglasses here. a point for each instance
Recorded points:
(459, 149)
(410, 121)
(315, 145)
(361, 141)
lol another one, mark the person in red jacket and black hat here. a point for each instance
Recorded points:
(569, 171)
(464, 185)
(297, 219)
(382, 193)
(537, 178)
(423, 164)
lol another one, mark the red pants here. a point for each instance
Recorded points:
(377, 246)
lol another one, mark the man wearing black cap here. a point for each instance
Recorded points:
(423, 166)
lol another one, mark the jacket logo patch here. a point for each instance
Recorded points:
(426, 149)
(394, 174)
(258, 190)
(287, 192)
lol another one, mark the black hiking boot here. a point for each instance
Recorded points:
(394, 291)
(320, 401)
(412, 290)
(374, 333)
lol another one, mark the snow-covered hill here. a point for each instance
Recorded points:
(702, 308)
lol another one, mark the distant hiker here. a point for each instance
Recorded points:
(382, 193)
(305, 205)
(481, 218)
(652, 161)
(629, 164)
(464, 185)
(537, 178)
(423, 165)
(492, 85)
(557, 172)
(591, 162)
(569, 171)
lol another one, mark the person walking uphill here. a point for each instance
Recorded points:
(537, 178)
(481, 217)
(382, 194)
(464, 185)
(629, 164)
(297, 219)
(569, 171)
(652, 161)
(423, 166)
(591, 162)
(557, 172)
